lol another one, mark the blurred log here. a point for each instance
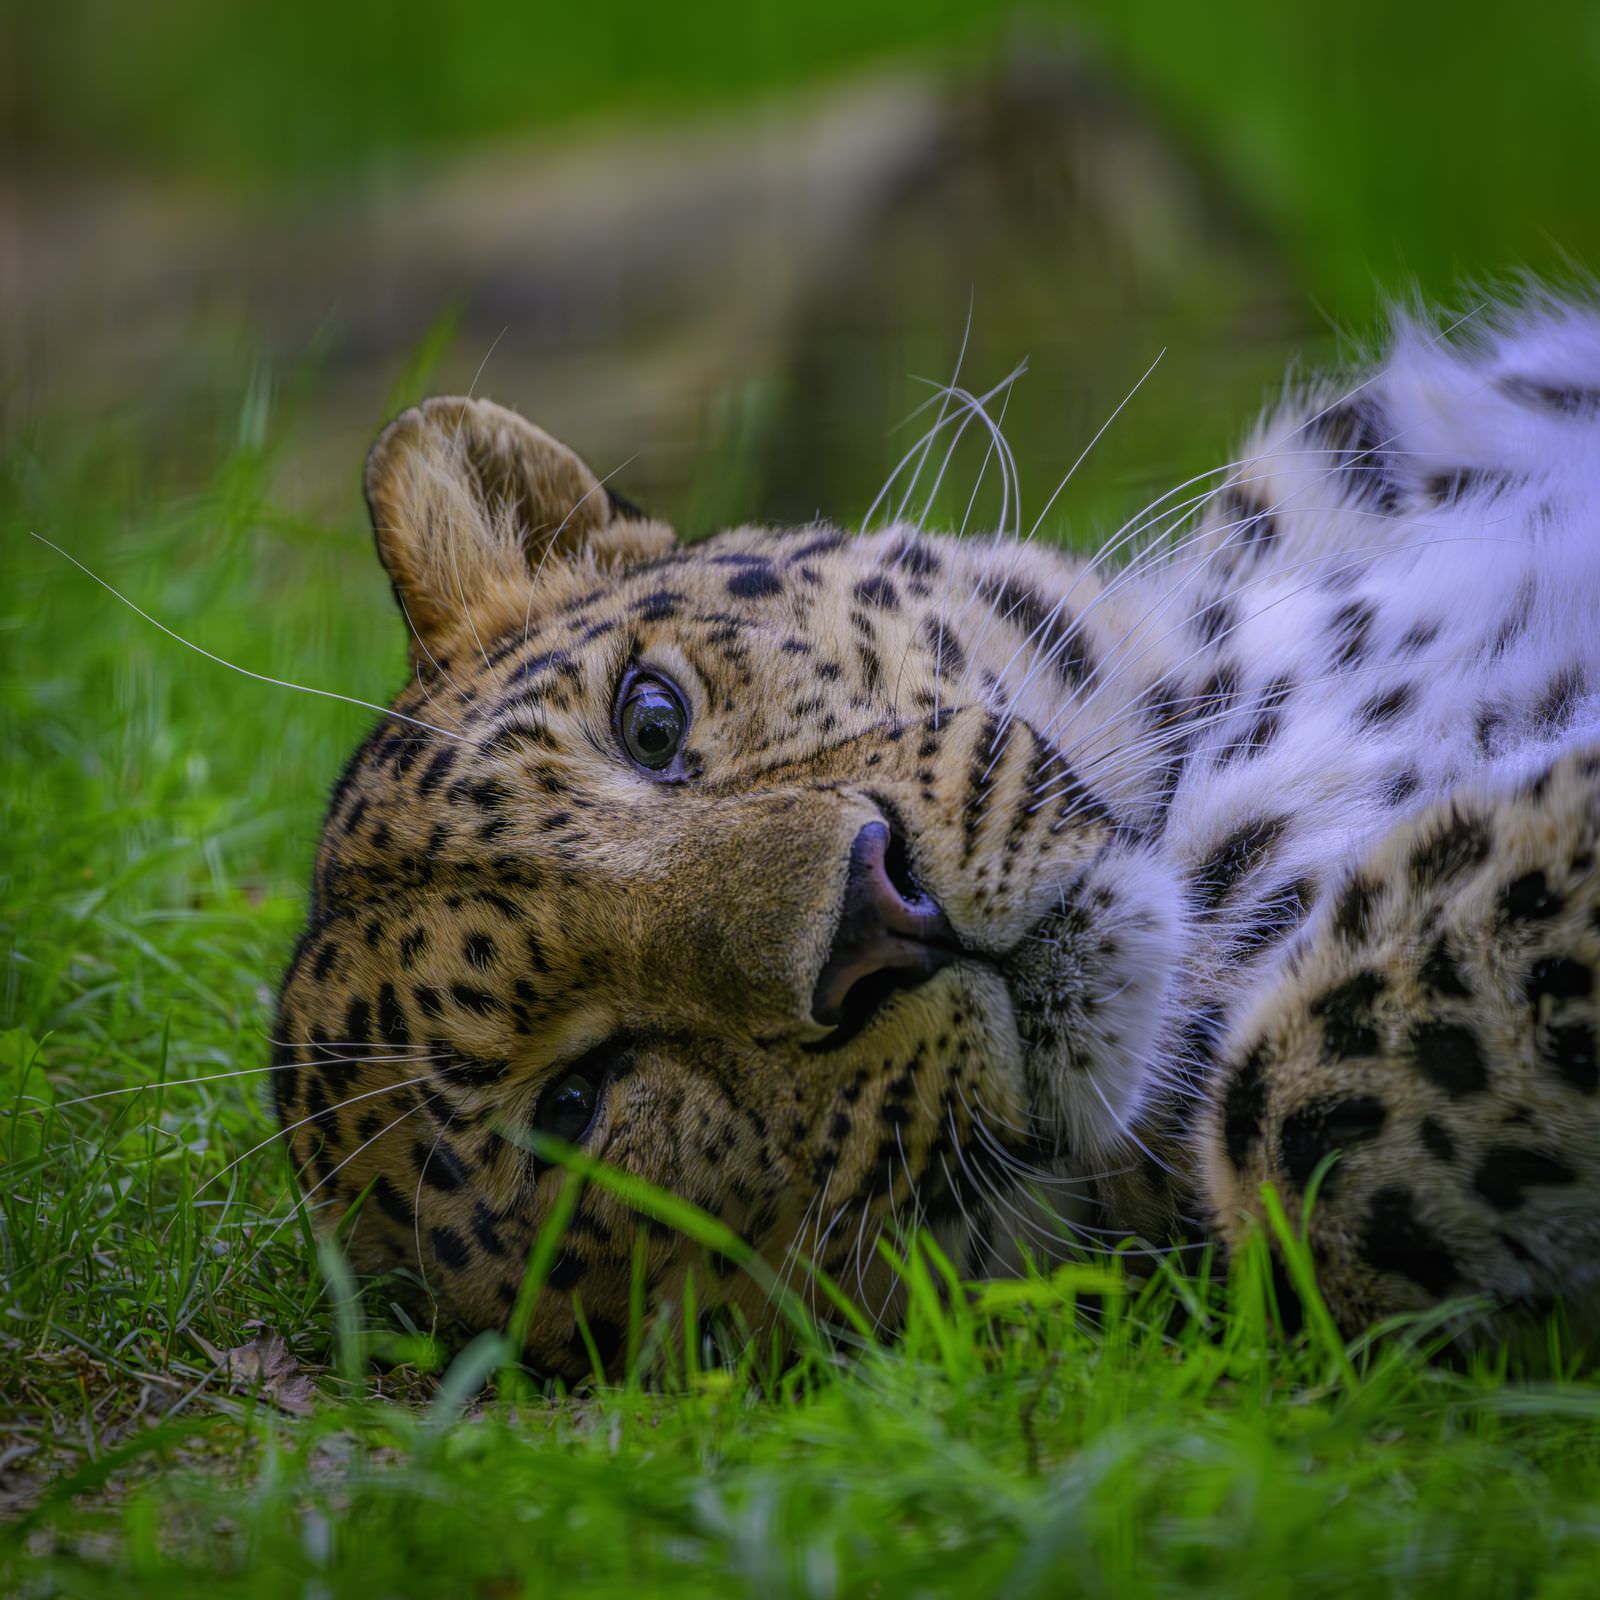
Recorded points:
(735, 304)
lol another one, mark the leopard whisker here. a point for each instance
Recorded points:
(333, 1044)
(1383, 448)
(1270, 605)
(1344, 461)
(823, 1237)
(1347, 461)
(1139, 566)
(913, 1194)
(416, 1199)
(561, 527)
(983, 469)
(1083, 454)
(160, 1084)
(233, 666)
(1023, 1172)
(954, 1186)
(1157, 551)
(1157, 1071)
(1101, 765)
(944, 404)
(304, 1202)
(278, 1133)
(974, 408)
(1154, 743)
(793, 1251)
(905, 460)
(1002, 1203)
(944, 607)
(1029, 1173)
(415, 633)
(978, 1111)
(1152, 514)
(1125, 579)
(1177, 734)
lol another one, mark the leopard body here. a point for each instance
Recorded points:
(1260, 848)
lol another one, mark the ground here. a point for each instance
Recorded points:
(187, 1407)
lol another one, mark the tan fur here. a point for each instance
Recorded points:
(464, 495)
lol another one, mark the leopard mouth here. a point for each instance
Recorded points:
(1082, 1025)
(872, 995)
(874, 998)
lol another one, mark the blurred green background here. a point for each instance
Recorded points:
(723, 241)
(1379, 138)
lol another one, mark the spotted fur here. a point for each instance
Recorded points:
(1264, 854)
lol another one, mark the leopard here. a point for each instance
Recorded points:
(850, 887)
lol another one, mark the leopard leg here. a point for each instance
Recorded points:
(1434, 1031)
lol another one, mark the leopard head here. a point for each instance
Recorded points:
(749, 867)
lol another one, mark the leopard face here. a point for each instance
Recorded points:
(755, 868)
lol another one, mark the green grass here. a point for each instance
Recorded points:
(1081, 1433)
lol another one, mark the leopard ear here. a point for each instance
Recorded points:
(469, 503)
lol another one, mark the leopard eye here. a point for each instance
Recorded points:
(567, 1108)
(651, 722)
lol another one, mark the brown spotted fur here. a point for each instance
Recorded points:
(498, 892)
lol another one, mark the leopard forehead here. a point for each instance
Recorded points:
(780, 641)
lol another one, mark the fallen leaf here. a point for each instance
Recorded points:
(264, 1366)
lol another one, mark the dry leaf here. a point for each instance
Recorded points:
(264, 1367)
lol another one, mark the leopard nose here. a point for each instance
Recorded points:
(890, 935)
